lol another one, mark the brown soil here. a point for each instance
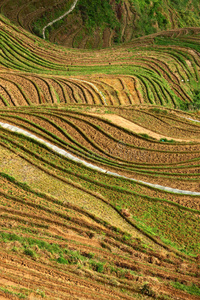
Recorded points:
(117, 120)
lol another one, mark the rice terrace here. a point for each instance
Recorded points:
(100, 149)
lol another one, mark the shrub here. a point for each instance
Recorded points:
(29, 252)
(146, 290)
(98, 266)
(62, 260)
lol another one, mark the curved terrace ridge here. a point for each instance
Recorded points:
(59, 18)
(89, 165)
(94, 86)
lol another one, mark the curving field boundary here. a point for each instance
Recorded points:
(60, 18)
(94, 86)
(89, 165)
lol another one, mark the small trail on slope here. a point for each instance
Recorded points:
(60, 18)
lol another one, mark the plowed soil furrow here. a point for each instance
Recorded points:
(69, 92)
(43, 87)
(169, 181)
(51, 95)
(87, 92)
(127, 99)
(56, 91)
(135, 97)
(14, 91)
(55, 203)
(69, 284)
(77, 95)
(36, 91)
(177, 88)
(65, 280)
(63, 95)
(130, 138)
(126, 226)
(6, 95)
(170, 277)
(112, 87)
(69, 143)
(106, 90)
(98, 97)
(25, 84)
(58, 218)
(173, 126)
(163, 182)
(79, 92)
(163, 66)
(57, 215)
(75, 132)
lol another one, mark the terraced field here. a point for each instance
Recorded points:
(142, 72)
(139, 213)
(101, 23)
(99, 167)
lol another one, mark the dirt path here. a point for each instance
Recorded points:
(60, 18)
(120, 121)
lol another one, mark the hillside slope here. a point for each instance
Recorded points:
(101, 23)
(86, 228)
(99, 167)
(161, 69)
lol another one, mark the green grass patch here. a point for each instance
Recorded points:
(191, 289)
(12, 293)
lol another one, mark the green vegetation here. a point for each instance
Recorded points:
(98, 266)
(12, 293)
(191, 289)
(151, 16)
(167, 41)
(98, 13)
(166, 140)
(195, 105)
(49, 16)
(122, 20)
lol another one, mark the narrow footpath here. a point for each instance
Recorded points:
(60, 18)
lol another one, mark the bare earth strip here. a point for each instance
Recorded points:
(120, 121)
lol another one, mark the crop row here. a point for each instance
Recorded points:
(84, 133)
(39, 244)
(92, 129)
(153, 80)
(131, 200)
